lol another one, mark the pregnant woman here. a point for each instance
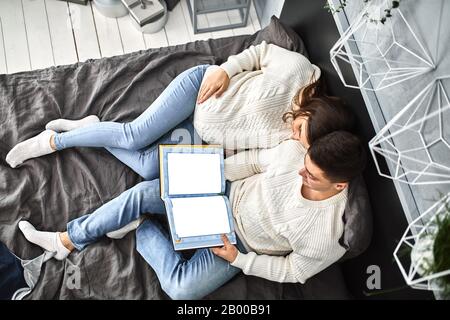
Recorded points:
(240, 105)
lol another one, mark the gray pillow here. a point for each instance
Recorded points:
(279, 34)
(358, 220)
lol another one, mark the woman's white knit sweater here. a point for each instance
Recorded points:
(289, 237)
(263, 81)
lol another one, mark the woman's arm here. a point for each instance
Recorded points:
(248, 60)
(282, 65)
(218, 80)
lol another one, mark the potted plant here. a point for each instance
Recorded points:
(430, 255)
(391, 5)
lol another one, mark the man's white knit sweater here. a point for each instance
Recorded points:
(289, 237)
(263, 81)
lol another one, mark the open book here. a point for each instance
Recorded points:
(192, 188)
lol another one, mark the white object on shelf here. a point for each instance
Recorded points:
(156, 23)
(383, 60)
(111, 8)
(417, 141)
(144, 11)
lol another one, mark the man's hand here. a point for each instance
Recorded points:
(215, 84)
(228, 252)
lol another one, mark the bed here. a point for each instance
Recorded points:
(52, 190)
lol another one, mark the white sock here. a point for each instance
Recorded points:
(120, 233)
(60, 125)
(49, 241)
(31, 148)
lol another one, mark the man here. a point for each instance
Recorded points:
(287, 204)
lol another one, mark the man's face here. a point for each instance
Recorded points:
(315, 179)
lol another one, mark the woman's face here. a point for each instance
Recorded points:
(299, 130)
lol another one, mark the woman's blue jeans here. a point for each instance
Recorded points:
(136, 144)
(168, 120)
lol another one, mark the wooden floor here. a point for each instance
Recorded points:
(36, 34)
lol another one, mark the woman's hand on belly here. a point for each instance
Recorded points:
(214, 84)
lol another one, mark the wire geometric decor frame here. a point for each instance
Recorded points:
(422, 226)
(420, 129)
(382, 61)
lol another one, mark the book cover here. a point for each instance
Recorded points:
(192, 186)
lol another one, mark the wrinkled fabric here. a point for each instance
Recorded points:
(31, 273)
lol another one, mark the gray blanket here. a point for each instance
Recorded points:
(52, 190)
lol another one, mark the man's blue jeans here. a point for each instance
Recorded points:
(180, 278)
(167, 120)
(136, 144)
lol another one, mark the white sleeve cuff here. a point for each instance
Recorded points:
(231, 67)
(240, 260)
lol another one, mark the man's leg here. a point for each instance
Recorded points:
(180, 278)
(142, 198)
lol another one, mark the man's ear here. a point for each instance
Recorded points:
(340, 186)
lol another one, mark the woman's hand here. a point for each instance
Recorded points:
(228, 252)
(215, 84)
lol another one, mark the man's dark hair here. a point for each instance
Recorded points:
(340, 155)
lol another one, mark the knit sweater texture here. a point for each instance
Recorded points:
(263, 82)
(290, 238)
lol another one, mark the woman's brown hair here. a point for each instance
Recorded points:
(325, 113)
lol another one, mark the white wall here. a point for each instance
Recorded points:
(267, 8)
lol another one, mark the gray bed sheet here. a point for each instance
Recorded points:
(52, 190)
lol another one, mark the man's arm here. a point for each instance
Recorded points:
(291, 268)
(250, 162)
(273, 268)
(247, 163)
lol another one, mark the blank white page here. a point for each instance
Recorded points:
(200, 216)
(194, 173)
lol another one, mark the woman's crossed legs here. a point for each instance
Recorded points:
(175, 104)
